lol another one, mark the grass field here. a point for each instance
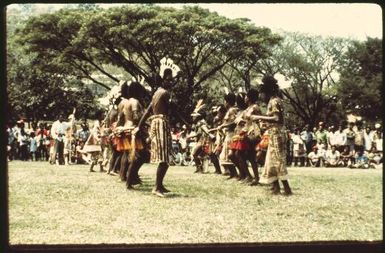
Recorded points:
(50, 204)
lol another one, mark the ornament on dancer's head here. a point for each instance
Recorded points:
(241, 90)
(226, 90)
(167, 63)
(199, 106)
(377, 126)
(140, 79)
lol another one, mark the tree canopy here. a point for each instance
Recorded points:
(70, 53)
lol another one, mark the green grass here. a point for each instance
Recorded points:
(50, 204)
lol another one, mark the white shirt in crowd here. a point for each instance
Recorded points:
(339, 138)
(331, 157)
(58, 130)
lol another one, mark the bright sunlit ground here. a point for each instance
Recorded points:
(50, 204)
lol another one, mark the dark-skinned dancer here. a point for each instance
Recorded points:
(275, 165)
(160, 134)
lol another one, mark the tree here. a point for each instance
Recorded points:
(311, 64)
(36, 94)
(360, 86)
(136, 37)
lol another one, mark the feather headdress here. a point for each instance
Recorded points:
(167, 63)
(199, 106)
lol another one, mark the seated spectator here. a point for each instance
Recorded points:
(321, 149)
(315, 159)
(333, 158)
(375, 158)
(346, 157)
(361, 161)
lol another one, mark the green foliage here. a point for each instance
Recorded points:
(311, 63)
(82, 42)
(360, 86)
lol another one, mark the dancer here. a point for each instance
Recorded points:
(137, 153)
(203, 138)
(228, 127)
(275, 164)
(160, 133)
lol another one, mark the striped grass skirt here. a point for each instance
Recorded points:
(161, 143)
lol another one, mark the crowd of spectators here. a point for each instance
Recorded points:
(353, 146)
(46, 142)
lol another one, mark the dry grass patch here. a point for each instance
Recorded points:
(51, 204)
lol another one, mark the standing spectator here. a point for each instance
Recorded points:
(32, 146)
(321, 135)
(350, 136)
(57, 131)
(307, 137)
(16, 146)
(378, 137)
(10, 142)
(340, 138)
(299, 151)
(359, 138)
(41, 138)
(330, 137)
(368, 136)
(332, 158)
(315, 158)
(23, 143)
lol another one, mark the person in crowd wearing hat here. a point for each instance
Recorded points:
(315, 158)
(160, 134)
(275, 164)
